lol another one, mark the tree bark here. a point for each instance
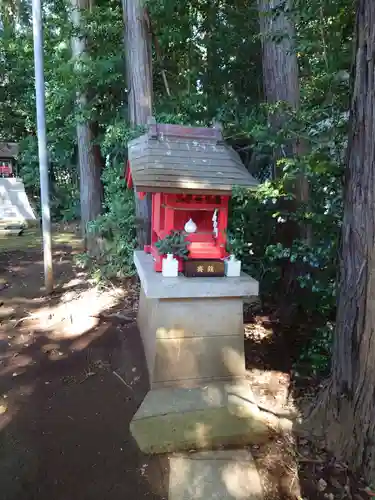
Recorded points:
(90, 167)
(280, 73)
(349, 410)
(281, 85)
(139, 76)
(280, 68)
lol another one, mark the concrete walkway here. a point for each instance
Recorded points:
(216, 475)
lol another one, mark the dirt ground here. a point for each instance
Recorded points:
(72, 375)
(64, 413)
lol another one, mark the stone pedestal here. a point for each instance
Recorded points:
(193, 338)
(191, 328)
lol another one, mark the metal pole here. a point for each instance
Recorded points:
(42, 143)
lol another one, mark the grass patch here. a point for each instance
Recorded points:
(31, 239)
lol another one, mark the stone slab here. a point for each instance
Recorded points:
(185, 318)
(186, 339)
(214, 475)
(157, 287)
(204, 417)
(145, 314)
(191, 383)
(199, 357)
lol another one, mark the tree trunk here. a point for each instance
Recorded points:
(351, 393)
(280, 73)
(139, 75)
(281, 85)
(212, 64)
(280, 68)
(90, 167)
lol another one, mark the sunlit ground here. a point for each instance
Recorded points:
(32, 239)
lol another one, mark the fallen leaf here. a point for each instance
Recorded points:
(335, 483)
(322, 485)
(329, 496)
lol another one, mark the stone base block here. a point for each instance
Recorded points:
(189, 339)
(191, 329)
(178, 419)
(214, 475)
(180, 360)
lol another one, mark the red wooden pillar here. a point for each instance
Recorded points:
(222, 225)
(169, 214)
(155, 220)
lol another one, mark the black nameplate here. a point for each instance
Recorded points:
(204, 268)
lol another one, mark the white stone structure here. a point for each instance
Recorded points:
(14, 204)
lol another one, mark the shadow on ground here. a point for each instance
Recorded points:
(65, 405)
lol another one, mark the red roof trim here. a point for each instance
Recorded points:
(128, 176)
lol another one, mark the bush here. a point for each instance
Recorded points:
(315, 357)
(116, 227)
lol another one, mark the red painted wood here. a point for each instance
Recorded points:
(199, 250)
(128, 176)
(5, 170)
(169, 217)
(154, 221)
(223, 222)
(195, 206)
(156, 212)
(171, 211)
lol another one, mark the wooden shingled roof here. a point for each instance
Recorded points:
(8, 149)
(176, 159)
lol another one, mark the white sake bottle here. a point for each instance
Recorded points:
(232, 267)
(190, 226)
(170, 266)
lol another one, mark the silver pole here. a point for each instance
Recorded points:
(42, 144)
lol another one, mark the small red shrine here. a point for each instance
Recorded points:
(190, 172)
(8, 152)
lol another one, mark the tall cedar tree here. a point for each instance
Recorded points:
(139, 76)
(349, 403)
(90, 167)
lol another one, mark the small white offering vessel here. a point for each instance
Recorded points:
(232, 267)
(170, 266)
(190, 226)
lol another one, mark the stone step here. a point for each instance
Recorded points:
(204, 417)
(16, 226)
(8, 228)
(214, 475)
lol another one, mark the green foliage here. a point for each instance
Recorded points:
(116, 227)
(315, 358)
(257, 217)
(102, 70)
(212, 56)
(174, 243)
